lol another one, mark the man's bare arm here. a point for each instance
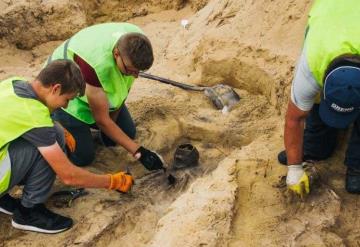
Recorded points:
(294, 133)
(99, 106)
(70, 174)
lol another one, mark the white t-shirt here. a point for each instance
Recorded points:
(304, 88)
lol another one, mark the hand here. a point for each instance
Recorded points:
(121, 181)
(297, 180)
(149, 159)
(69, 140)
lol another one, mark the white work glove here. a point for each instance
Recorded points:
(297, 180)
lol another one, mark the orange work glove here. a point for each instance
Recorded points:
(69, 140)
(121, 181)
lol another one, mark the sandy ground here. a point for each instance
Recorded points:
(233, 198)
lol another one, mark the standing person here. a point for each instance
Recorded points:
(31, 147)
(110, 56)
(325, 94)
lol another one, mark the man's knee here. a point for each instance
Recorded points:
(38, 184)
(82, 158)
(126, 123)
(132, 133)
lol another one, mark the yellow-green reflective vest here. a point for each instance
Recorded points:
(333, 31)
(18, 115)
(95, 45)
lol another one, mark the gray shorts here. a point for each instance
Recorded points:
(30, 169)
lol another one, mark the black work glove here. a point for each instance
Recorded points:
(149, 159)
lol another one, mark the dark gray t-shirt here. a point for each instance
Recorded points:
(39, 137)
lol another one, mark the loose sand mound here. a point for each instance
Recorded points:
(232, 198)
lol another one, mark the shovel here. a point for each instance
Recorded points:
(222, 96)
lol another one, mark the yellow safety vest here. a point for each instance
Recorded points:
(18, 115)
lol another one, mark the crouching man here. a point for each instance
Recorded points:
(32, 147)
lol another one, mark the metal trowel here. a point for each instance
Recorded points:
(170, 178)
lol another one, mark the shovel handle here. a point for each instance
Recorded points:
(171, 82)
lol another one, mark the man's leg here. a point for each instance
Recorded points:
(352, 156)
(126, 124)
(352, 160)
(84, 153)
(319, 139)
(30, 169)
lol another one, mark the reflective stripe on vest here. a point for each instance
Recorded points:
(64, 52)
(18, 115)
(5, 173)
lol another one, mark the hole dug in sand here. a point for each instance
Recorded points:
(197, 209)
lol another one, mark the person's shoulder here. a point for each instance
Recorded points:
(23, 89)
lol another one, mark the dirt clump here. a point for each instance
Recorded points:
(26, 24)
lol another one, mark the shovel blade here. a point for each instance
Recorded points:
(222, 96)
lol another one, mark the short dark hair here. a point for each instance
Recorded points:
(138, 49)
(66, 73)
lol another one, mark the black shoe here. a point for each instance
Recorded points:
(40, 219)
(8, 204)
(352, 182)
(282, 158)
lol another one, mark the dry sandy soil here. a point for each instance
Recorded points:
(232, 198)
